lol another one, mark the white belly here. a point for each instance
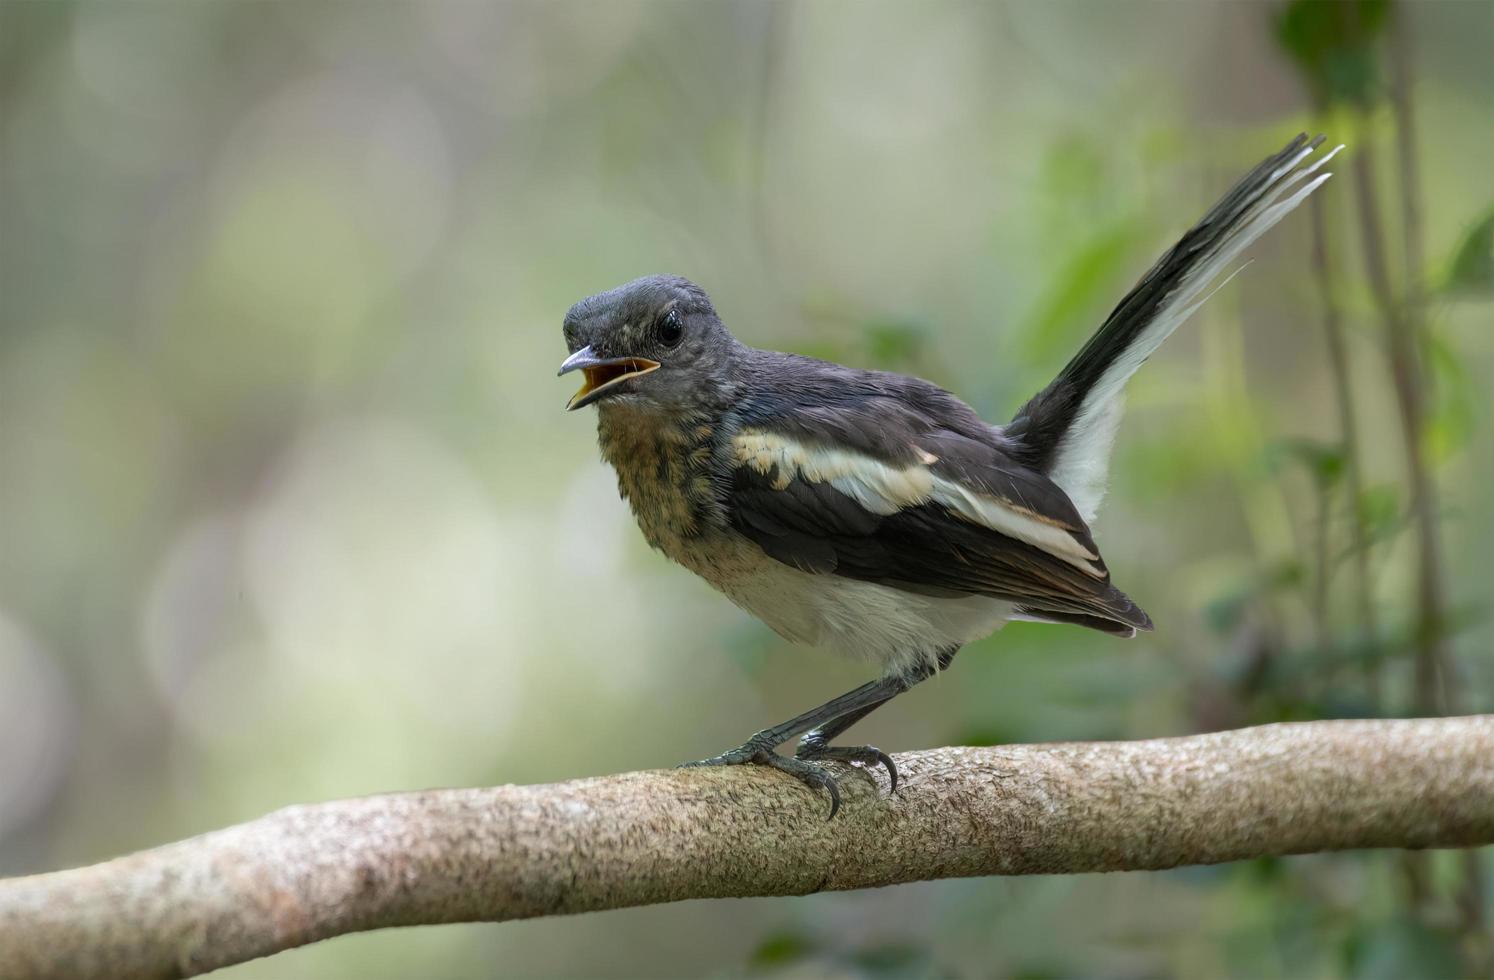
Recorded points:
(888, 627)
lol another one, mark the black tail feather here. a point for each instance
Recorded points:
(1040, 425)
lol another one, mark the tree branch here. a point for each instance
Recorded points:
(307, 873)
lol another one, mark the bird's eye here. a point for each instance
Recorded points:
(671, 329)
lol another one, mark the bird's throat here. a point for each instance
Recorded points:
(663, 470)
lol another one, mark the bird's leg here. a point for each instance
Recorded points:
(759, 748)
(816, 742)
(823, 723)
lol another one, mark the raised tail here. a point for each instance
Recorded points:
(1066, 430)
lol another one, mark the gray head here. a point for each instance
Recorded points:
(655, 342)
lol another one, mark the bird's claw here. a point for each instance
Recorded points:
(806, 772)
(810, 775)
(867, 755)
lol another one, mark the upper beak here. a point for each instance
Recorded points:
(602, 374)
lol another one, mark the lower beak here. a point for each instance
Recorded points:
(602, 374)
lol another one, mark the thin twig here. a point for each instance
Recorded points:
(1406, 375)
(1348, 427)
(1434, 674)
(1433, 692)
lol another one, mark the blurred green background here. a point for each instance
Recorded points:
(290, 510)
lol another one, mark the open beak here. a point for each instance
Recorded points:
(602, 374)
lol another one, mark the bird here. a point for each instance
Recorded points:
(872, 512)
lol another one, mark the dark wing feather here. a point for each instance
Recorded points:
(925, 547)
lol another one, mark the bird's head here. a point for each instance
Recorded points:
(654, 343)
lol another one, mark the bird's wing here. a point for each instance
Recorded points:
(917, 506)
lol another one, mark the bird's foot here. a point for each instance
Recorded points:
(867, 755)
(755, 753)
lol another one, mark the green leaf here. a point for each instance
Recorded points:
(1454, 412)
(1324, 460)
(1333, 45)
(1080, 286)
(1380, 510)
(780, 949)
(1472, 269)
(1268, 869)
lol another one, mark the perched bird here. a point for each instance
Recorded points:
(873, 512)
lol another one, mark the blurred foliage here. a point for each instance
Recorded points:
(1455, 396)
(290, 510)
(1472, 269)
(1333, 42)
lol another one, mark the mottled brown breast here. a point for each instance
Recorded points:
(664, 473)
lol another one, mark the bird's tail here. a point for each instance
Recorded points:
(1066, 430)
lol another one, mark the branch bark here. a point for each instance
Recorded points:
(311, 872)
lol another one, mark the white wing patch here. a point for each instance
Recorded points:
(883, 489)
(879, 488)
(1014, 522)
